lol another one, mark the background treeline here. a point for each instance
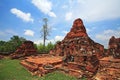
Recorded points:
(9, 47)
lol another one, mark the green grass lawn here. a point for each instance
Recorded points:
(12, 70)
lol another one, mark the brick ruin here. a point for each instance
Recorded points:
(78, 55)
(77, 42)
(79, 51)
(114, 47)
(42, 64)
(26, 49)
(109, 68)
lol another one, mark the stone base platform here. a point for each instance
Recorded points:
(41, 65)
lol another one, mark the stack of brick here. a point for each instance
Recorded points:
(26, 49)
(114, 47)
(77, 47)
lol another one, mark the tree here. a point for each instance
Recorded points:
(2, 43)
(17, 41)
(45, 31)
(50, 46)
(6, 47)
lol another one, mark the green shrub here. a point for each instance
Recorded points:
(45, 49)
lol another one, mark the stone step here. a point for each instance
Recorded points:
(31, 68)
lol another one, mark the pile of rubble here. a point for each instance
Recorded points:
(41, 65)
(79, 51)
(26, 49)
(109, 69)
(114, 47)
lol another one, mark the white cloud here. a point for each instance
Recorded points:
(52, 14)
(95, 10)
(88, 30)
(59, 38)
(106, 35)
(44, 6)
(38, 42)
(29, 33)
(56, 38)
(68, 16)
(22, 15)
(65, 32)
(41, 41)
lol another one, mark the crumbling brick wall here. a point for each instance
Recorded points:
(26, 49)
(114, 47)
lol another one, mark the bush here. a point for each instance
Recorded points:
(45, 49)
(50, 46)
(41, 48)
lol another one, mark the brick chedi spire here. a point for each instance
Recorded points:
(77, 30)
(78, 42)
(79, 51)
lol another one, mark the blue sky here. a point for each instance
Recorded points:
(25, 18)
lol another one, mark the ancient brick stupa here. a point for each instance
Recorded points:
(26, 49)
(77, 42)
(79, 51)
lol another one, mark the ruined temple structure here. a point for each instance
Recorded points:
(109, 69)
(26, 49)
(114, 47)
(42, 64)
(80, 53)
(77, 42)
(77, 55)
